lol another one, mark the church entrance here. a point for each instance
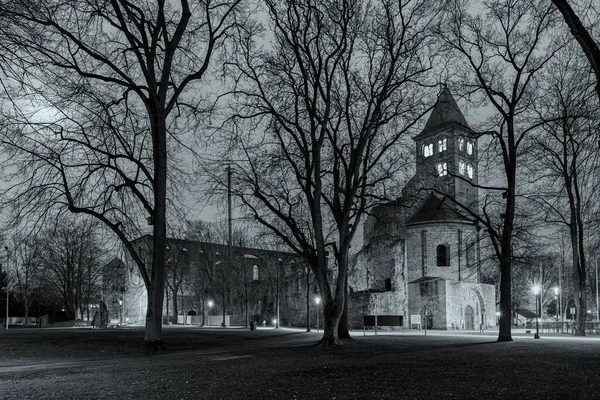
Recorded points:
(469, 320)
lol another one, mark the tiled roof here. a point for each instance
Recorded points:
(444, 113)
(526, 313)
(435, 209)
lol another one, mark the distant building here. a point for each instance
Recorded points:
(202, 273)
(421, 255)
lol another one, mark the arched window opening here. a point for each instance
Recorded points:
(470, 171)
(443, 255)
(461, 144)
(428, 150)
(469, 148)
(442, 169)
(255, 273)
(442, 145)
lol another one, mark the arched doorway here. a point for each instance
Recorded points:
(469, 318)
(426, 317)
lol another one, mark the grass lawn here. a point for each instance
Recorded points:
(283, 364)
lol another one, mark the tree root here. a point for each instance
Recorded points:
(153, 346)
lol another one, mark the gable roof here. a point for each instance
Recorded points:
(445, 113)
(435, 209)
(427, 279)
(526, 313)
(115, 262)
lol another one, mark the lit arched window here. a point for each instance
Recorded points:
(469, 147)
(442, 169)
(470, 171)
(428, 150)
(442, 145)
(461, 143)
(443, 255)
(255, 273)
(461, 167)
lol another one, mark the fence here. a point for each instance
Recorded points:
(19, 321)
(564, 327)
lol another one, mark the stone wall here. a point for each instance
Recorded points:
(371, 303)
(429, 294)
(377, 282)
(480, 297)
(461, 246)
(447, 301)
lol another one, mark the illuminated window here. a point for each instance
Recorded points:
(462, 167)
(428, 150)
(442, 145)
(255, 273)
(469, 148)
(442, 169)
(470, 171)
(461, 144)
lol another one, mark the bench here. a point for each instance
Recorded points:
(382, 320)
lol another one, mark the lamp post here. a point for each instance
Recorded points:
(318, 301)
(557, 306)
(6, 278)
(536, 291)
(121, 311)
(210, 306)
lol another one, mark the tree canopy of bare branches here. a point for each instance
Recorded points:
(500, 50)
(98, 98)
(321, 115)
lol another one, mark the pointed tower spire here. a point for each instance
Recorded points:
(445, 113)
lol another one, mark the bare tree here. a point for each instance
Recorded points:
(66, 254)
(178, 269)
(26, 271)
(119, 82)
(333, 97)
(500, 48)
(583, 36)
(566, 150)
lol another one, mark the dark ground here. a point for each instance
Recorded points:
(215, 363)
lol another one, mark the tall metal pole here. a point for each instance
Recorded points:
(536, 291)
(597, 302)
(6, 277)
(230, 234)
(307, 299)
(318, 301)
(561, 308)
(279, 265)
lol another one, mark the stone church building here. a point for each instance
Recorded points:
(421, 253)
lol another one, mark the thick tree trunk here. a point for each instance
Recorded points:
(505, 327)
(343, 327)
(578, 281)
(332, 313)
(153, 340)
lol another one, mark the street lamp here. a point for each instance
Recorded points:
(557, 306)
(121, 311)
(6, 278)
(536, 291)
(210, 306)
(318, 301)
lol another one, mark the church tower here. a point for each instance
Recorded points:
(421, 252)
(446, 152)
